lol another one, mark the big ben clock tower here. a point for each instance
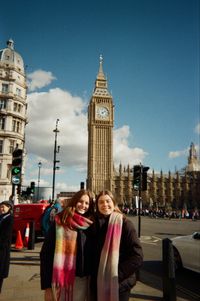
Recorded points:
(100, 136)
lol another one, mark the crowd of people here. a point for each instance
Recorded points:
(163, 213)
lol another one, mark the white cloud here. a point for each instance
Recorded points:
(176, 154)
(197, 129)
(39, 79)
(44, 109)
(122, 152)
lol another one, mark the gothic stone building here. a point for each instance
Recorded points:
(175, 190)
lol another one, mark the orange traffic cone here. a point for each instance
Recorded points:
(19, 243)
(26, 237)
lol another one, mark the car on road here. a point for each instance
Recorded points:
(187, 251)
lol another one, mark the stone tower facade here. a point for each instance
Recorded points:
(13, 108)
(177, 190)
(100, 135)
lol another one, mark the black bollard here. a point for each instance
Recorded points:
(169, 283)
(31, 241)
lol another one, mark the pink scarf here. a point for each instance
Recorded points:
(64, 265)
(107, 280)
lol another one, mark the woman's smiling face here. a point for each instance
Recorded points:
(83, 204)
(105, 205)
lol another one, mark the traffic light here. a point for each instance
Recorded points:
(19, 189)
(28, 191)
(144, 177)
(82, 184)
(32, 188)
(136, 177)
(17, 166)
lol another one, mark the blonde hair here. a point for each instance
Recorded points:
(109, 193)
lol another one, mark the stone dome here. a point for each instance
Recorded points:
(10, 57)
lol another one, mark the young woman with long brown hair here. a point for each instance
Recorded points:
(66, 252)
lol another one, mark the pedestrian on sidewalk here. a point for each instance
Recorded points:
(117, 254)
(66, 252)
(6, 226)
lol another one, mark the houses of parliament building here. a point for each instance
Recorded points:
(173, 190)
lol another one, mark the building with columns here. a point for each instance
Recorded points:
(173, 190)
(13, 108)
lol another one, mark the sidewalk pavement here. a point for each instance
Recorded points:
(23, 283)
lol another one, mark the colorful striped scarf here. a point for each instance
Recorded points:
(64, 265)
(107, 280)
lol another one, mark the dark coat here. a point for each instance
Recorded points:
(6, 225)
(130, 254)
(83, 256)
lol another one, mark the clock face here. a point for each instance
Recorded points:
(102, 112)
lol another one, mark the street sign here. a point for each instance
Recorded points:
(16, 179)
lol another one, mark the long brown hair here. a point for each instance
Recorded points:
(70, 208)
(109, 193)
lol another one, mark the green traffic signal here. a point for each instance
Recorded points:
(16, 170)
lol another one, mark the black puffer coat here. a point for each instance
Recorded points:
(130, 254)
(6, 225)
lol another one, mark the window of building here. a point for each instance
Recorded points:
(11, 146)
(2, 104)
(5, 88)
(2, 122)
(1, 146)
(17, 107)
(9, 167)
(18, 92)
(16, 126)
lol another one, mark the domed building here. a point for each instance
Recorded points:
(13, 113)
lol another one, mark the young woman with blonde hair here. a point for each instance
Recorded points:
(117, 254)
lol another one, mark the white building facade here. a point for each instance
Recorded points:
(13, 113)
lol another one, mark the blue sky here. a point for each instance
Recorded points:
(151, 51)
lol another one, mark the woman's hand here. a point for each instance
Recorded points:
(48, 295)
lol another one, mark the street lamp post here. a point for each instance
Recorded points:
(56, 150)
(39, 167)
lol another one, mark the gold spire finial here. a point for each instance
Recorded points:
(101, 74)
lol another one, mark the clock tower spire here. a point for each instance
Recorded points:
(100, 135)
